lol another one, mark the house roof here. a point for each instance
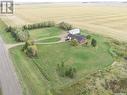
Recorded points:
(78, 37)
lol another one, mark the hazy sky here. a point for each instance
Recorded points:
(62, 0)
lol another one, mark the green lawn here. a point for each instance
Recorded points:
(39, 74)
(55, 39)
(6, 36)
(45, 32)
(34, 34)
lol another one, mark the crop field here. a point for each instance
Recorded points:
(39, 75)
(108, 20)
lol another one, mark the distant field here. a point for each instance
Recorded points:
(108, 20)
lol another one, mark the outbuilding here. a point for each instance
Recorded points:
(74, 31)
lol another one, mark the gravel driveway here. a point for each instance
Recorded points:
(8, 78)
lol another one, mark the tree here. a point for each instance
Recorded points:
(65, 26)
(74, 42)
(38, 25)
(93, 42)
(10, 29)
(30, 49)
(22, 36)
(66, 71)
(27, 43)
(88, 37)
(70, 72)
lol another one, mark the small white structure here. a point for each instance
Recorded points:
(74, 31)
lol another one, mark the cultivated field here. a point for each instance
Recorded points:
(108, 20)
(39, 75)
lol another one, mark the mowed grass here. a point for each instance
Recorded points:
(45, 32)
(5, 35)
(55, 39)
(38, 75)
(34, 34)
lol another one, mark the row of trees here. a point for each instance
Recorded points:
(39, 25)
(19, 34)
(66, 71)
(22, 34)
(30, 48)
(65, 26)
(62, 25)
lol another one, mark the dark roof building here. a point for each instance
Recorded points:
(78, 37)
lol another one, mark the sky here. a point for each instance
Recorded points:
(63, 0)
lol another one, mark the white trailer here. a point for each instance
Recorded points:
(74, 31)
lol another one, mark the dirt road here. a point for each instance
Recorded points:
(61, 36)
(8, 78)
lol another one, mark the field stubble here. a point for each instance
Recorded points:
(107, 20)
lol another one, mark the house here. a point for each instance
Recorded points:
(75, 34)
(80, 38)
(74, 31)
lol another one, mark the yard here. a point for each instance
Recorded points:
(50, 34)
(45, 32)
(6, 36)
(39, 75)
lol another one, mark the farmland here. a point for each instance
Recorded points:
(108, 20)
(39, 75)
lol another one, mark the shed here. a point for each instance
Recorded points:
(74, 31)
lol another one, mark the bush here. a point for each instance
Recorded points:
(19, 34)
(30, 49)
(74, 42)
(93, 42)
(70, 72)
(10, 29)
(22, 36)
(14, 33)
(65, 26)
(88, 36)
(27, 43)
(38, 25)
(67, 71)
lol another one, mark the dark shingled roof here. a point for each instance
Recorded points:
(78, 37)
